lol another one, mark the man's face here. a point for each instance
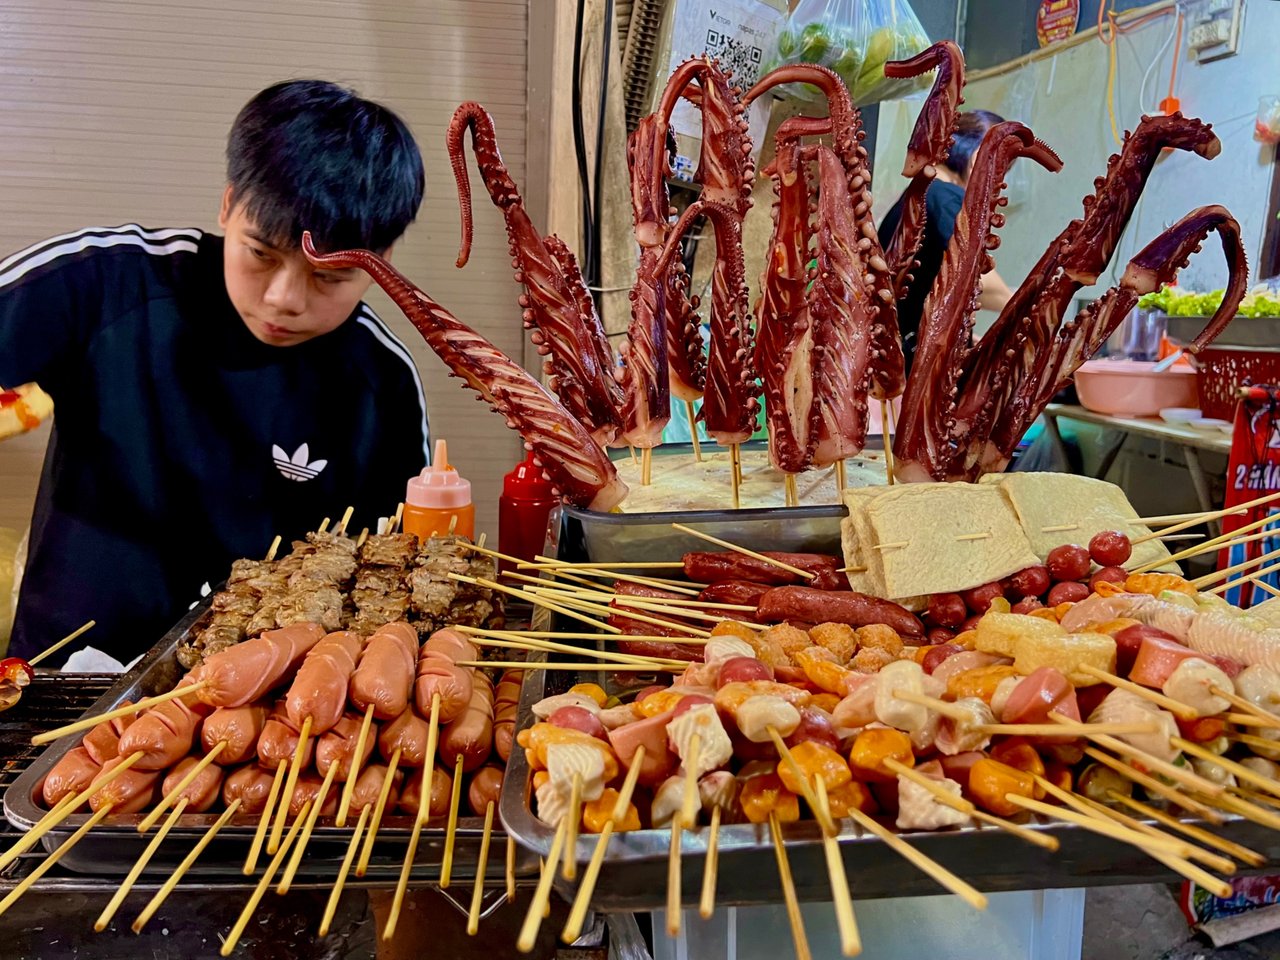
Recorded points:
(280, 296)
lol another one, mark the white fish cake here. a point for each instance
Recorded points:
(714, 747)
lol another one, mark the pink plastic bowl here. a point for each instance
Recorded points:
(1128, 388)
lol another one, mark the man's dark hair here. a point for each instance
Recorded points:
(971, 127)
(310, 155)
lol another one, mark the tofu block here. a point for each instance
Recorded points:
(1066, 653)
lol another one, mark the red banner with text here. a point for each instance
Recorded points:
(1252, 474)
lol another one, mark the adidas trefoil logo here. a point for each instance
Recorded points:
(296, 467)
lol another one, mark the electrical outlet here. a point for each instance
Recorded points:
(1213, 28)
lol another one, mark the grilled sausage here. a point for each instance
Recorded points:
(711, 567)
(384, 675)
(452, 644)
(308, 788)
(485, 788)
(440, 676)
(339, 746)
(506, 703)
(247, 671)
(103, 741)
(319, 690)
(734, 591)
(441, 789)
(279, 740)
(369, 785)
(164, 733)
(130, 792)
(202, 792)
(239, 727)
(71, 774)
(408, 732)
(470, 736)
(836, 606)
(251, 784)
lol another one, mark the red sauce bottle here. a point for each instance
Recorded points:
(524, 512)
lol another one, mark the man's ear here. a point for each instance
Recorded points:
(225, 212)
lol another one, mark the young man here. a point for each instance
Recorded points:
(942, 206)
(213, 392)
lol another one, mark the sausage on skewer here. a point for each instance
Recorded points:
(165, 733)
(239, 728)
(202, 792)
(470, 736)
(75, 771)
(247, 671)
(251, 785)
(319, 690)
(339, 746)
(384, 676)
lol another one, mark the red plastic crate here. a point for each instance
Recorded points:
(1223, 368)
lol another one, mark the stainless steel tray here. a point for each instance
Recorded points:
(114, 845)
(634, 872)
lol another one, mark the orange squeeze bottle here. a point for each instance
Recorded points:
(438, 500)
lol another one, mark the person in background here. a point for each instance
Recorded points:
(942, 205)
(212, 391)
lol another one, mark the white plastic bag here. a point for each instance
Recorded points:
(855, 38)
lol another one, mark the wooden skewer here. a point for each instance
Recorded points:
(424, 800)
(1265, 586)
(1163, 841)
(790, 497)
(689, 801)
(477, 891)
(891, 546)
(1176, 707)
(1264, 798)
(929, 867)
(364, 535)
(626, 601)
(1242, 853)
(1249, 811)
(742, 550)
(1265, 718)
(1168, 518)
(973, 536)
(324, 525)
(646, 466)
(560, 635)
(394, 525)
(122, 891)
(331, 907)
(582, 899)
(175, 878)
(1067, 729)
(1255, 577)
(541, 894)
(1152, 785)
(275, 546)
(451, 829)
(63, 809)
(570, 605)
(290, 784)
(552, 647)
(605, 567)
(1212, 515)
(1096, 825)
(632, 450)
(1221, 864)
(707, 901)
(150, 820)
(1242, 772)
(613, 667)
(806, 788)
(842, 899)
(48, 863)
(1153, 763)
(887, 425)
(237, 930)
(1060, 528)
(144, 704)
(346, 518)
(349, 787)
(511, 870)
(1046, 841)
(931, 786)
(300, 847)
(574, 818)
(673, 876)
(1209, 546)
(1207, 580)
(1252, 741)
(61, 643)
(693, 431)
(841, 480)
(735, 473)
(675, 586)
(537, 601)
(264, 819)
(794, 918)
(1245, 720)
(367, 850)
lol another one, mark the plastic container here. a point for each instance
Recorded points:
(1129, 388)
(524, 512)
(438, 500)
(1224, 367)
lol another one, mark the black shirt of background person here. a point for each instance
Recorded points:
(942, 206)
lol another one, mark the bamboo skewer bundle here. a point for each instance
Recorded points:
(131, 878)
(176, 877)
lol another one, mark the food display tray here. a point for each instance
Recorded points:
(634, 871)
(113, 846)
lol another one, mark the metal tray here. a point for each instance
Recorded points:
(114, 845)
(634, 871)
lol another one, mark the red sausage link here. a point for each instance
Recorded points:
(164, 733)
(339, 746)
(438, 803)
(470, 736)
(279, 740)
(734, 591)
(251, 785)
(408, 732)
(71, 774)
(505, 707)
(245, 672)
(836, 606)
(130, 792)
(239, 727)
(202, 792)
(440, 675)
(369, 785)
(319, 690)
(485, 788)
(728, 565)
(103, 741)
(308, 788)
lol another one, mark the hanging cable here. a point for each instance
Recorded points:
(579, 137)
(1144, 104)
(595, 263)
(1109, 40)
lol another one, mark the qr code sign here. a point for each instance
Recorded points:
(742, 58)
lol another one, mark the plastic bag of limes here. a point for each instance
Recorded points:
(854, 38)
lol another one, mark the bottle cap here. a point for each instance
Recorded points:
(439, 486)
(526, 482)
